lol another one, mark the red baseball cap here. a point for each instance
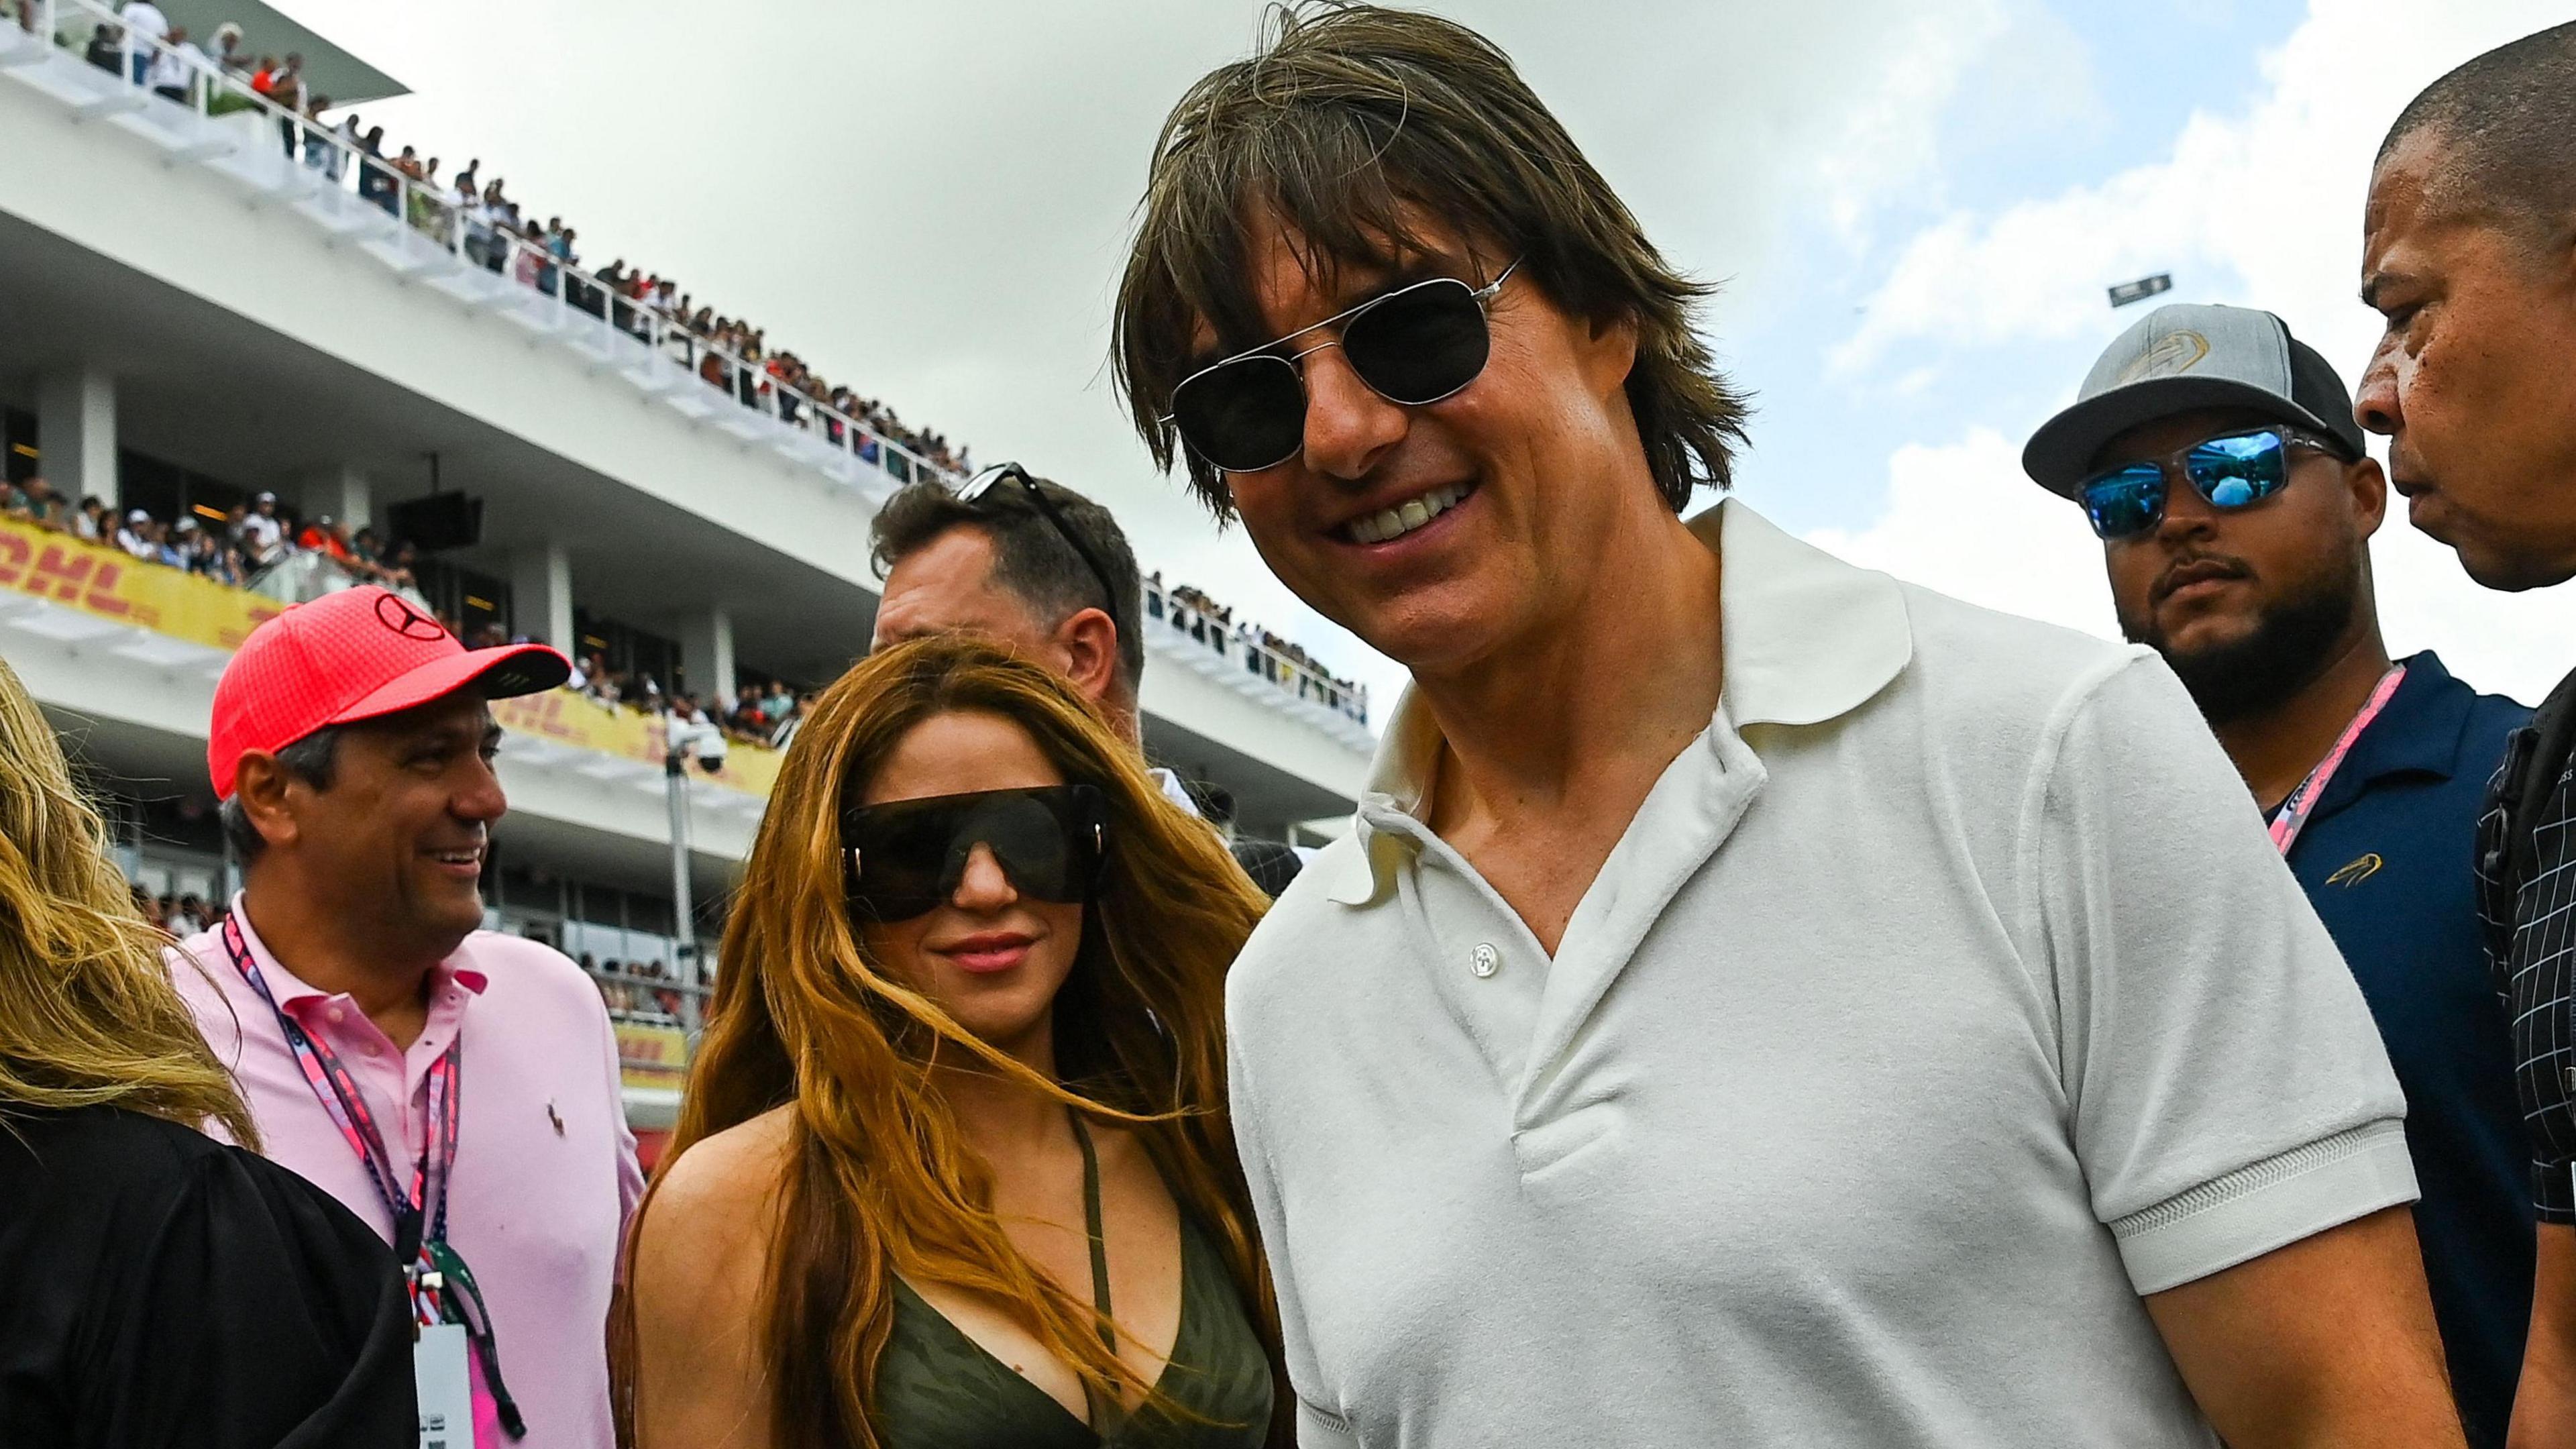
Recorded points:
(354, 655)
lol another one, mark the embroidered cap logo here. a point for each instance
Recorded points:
(397, 614)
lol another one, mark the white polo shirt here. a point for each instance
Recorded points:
(1945, 996)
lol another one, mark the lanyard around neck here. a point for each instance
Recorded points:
(2292, 817)
(443, 1289)
(420, 1211)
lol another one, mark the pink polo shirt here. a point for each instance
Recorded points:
(545, 1168)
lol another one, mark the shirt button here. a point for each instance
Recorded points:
(1485, 960)
(371, 1049)
(336, 1015)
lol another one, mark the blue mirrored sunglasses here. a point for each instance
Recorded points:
(2234, 470)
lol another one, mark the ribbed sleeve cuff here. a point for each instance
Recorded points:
(2267, 1205)
(1317, 1429)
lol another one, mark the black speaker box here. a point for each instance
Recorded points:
(441, 520)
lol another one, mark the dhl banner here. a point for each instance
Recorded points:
(652, 1056)
(111, 584)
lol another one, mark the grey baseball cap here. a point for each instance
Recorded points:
(2183, 358)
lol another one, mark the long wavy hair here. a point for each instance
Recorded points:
(880, 1181)
(88, 1016)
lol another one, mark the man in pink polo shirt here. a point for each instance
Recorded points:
(456, 1088)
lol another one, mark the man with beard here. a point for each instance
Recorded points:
(2469, 254)
(2217, 458)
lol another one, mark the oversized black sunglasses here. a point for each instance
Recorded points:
(2231, 471)
(907, 857)
(985, 480)
(1414, 345)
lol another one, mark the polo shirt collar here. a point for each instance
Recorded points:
(2418, 732)
(291, 990)
(1807, 638)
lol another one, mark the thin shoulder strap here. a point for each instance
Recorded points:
(1091, 1225)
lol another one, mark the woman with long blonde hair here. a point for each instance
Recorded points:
(157, 1288)
(954, 1166)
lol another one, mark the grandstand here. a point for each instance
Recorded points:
(204, 298)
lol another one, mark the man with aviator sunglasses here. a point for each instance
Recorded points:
(1759, 1001)
(2217, 458)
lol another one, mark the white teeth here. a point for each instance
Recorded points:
(1407, 516)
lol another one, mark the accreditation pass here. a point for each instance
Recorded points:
(446, 1394)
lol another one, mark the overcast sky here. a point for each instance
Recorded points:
(1914, 206)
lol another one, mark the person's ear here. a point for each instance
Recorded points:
(1607, 352)
(1090, 643)
(2369, 489)
(261, 784)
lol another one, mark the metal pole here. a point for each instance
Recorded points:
(675, 778)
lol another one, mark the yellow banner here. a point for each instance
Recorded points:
(564, 718)
(652, 1056)
(108, 582)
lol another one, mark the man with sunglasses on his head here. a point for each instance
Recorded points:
(2217, 458)
(1043, 569)
(1760, 1002)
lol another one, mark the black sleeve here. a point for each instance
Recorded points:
(1270, 864)
(261, 1315)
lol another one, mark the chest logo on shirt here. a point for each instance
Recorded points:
(2360, 869)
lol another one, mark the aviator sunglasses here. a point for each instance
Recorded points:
(1414, 345)
(2231, 471)
(907, 857)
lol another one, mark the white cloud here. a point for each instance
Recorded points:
(2269, 200)
(1960, 518)
(2261, 207)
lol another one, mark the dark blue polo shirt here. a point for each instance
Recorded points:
(2387, 858)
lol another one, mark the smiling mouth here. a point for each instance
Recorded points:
(982, 954)
(1389, 524)
(470, 859)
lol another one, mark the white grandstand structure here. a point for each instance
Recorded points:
(189, 315)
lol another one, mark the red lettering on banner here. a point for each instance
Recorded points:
(14, 566)
(102, 593)
(64, 575)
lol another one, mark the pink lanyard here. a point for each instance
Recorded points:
(2292, 817)
(420, 1215)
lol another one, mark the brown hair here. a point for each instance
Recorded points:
(879, 1181)
(1352, 125)
(1031, 558)
(88, 1015)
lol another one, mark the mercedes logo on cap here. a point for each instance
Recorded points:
(397, 614)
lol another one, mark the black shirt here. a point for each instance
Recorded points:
(2531, 942)
(159, 1289)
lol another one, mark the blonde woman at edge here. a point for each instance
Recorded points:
(157, 1288)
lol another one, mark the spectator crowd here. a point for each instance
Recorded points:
(474, 215)
(477, 217)
(232, 546)
(1281, 661)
